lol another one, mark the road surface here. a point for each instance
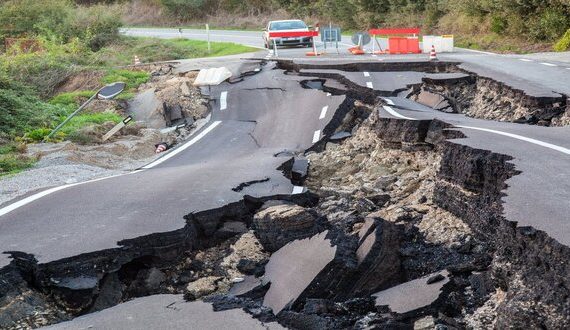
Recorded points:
(261, 116)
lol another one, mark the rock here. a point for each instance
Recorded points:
(250, 287)
(147, 281)
(385, 182)
(299, 170)
(435, 279)
(246, 257)
(426, 323)
(230, 229)
(317, 306)
(379, 199)
(377, 256)
(201, 287)
(397, 298)
(315, 267)
(278, 225)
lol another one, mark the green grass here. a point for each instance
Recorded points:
(122, 52)
(13, 163)
(71, 99)
(133, 79)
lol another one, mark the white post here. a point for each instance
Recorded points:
(275, 48)
(373, 46)
(208, 33)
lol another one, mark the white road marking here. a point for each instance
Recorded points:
(369, 84)
(367, 74)
(324, 112)
(297, 190)
(28, 200)
(183, 147)
(395, 114)
(567, 68)
(548, 64)
(522, 138)
(390, 102)
(329, 94)
(514, 136)
(525, 60)
(223, 101)
(477, 51)
(316, 136)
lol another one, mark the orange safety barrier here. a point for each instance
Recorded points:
(400, 44)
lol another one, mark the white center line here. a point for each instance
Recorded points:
(522, 138)
(369, 84)
(223, 101)
(367, 74)
(395, 114)
(324, 112)
(548, 64)
(297, 190)
(525, 60)
(567, 68)
(316, 136)
(329, 94)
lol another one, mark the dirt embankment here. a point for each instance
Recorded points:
(481, 97)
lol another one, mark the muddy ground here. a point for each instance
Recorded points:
(399, 229)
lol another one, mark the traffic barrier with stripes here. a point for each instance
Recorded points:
(296, 34)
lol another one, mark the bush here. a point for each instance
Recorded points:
(498, 24)
(185, 8)
(97, 26)
(59, 21)
(563, 44)
(13, 163)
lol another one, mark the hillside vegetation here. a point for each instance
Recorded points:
(46, 44)
(502, 25)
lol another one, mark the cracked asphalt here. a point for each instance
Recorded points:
(264, 114)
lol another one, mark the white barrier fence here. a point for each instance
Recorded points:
(442, 44)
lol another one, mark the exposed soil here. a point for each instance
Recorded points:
(485, 98)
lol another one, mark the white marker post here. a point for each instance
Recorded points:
(208, 36)
(117, 128)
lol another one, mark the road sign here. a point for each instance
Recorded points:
(117, 128)
(331, 34)
(361, 38)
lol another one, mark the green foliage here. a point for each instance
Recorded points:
(71, 99)
(498, 24)
(133, 79)
(59, 21)
(13, 163)
(188, 8)
(563, 44)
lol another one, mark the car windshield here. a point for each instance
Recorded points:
(287, 25)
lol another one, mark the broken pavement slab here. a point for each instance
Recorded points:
(398, 298)
(154, 312)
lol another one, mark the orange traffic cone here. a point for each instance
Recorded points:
(432, 54)
(137, 60)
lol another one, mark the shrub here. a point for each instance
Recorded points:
(498, 24)
(563, 43)
(13, 163)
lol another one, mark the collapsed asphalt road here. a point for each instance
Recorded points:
(168, 228)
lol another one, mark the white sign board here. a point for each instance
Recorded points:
(442, 44)
(212, 77)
